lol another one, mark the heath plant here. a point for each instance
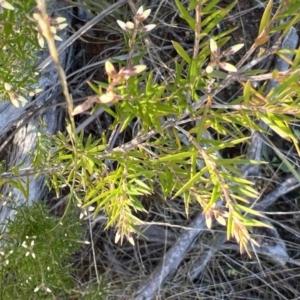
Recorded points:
(173, 151)
(158, 155)
(180, 126)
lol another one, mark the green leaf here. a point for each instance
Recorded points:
(245, 190)
(190, 183)
(291, 10)
(143, 185)
(18, 185)
(215, 195)
(126, 122)
(93, 87)
(177, 157)
(193, 4)
(286, 162)
(278, 125)
(108, 110)
(158, 92)
(6, 5)
(215, 18)
(100, 205)
(90, 165)
(179, 49)
(218, 74)
(179, 72)
(247, 93)
(55, 184)
(207, 9)
(237, 161)
(149, 84)
(265, 20)
(252, 222)
(184, 14)
(290, 23)
(229, 226)
(283, 86)
(193, 71)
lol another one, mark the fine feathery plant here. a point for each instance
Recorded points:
(18, 55)
(35, 256)
(173, 152)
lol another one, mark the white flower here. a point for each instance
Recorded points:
(142, 15)
(82, 214)
(6, 5)
(84, 211)
(125, 26)
(30, 249)
(149, 27)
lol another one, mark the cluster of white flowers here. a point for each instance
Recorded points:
(5, 256)
(14, 97)
(118, 77)
(43, 287)
(56, 24)
(140, 16)
(84, 210)
(29, 247)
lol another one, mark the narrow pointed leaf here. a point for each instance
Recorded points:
(248, 210)
(184, 14)
(181, 52)
(247, 92)
(189, 184)
(265, 20)
(229, 226)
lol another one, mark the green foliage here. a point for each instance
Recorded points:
(37, 247)
(164, 156)
(18, 55)
(173, 150)
(35, 254)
